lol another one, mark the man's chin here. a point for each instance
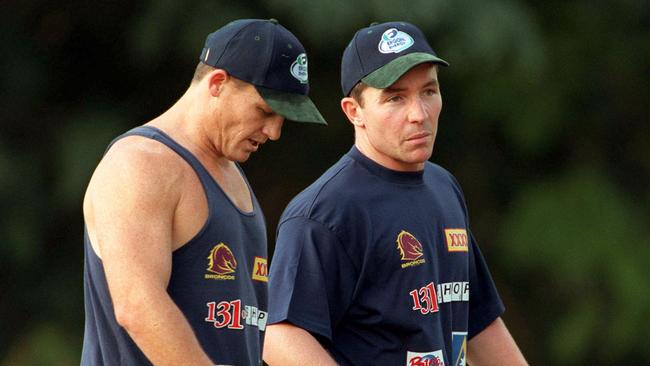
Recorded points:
(240, 158)
(420, 155)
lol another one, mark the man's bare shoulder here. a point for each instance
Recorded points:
(141, 158)
(137, 167)
(138, 181)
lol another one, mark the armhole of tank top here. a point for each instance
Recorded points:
(89, 251)
(210, 186)
(256, 205)
(206, 180)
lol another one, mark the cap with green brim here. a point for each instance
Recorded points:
(380, 54)
(268, 56)
(388, 74)
(294, 107)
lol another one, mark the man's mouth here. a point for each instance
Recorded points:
(418, 136)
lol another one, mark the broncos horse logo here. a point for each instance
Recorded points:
(409, 247)
(222, 261)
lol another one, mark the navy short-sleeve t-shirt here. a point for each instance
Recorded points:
(381, 267)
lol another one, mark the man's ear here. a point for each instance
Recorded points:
(353, 111)
(216, 79)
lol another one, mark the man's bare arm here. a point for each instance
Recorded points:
(288, 345)
(494, 346)
(129, 211)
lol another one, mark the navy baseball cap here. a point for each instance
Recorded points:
(380, 54)
(265, 54)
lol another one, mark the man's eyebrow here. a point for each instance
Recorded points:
(433, 82)
(392, 89)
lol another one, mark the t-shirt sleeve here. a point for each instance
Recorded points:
(485, 305)
(312, 278)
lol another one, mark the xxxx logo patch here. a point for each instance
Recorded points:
(456, 240)
(260, 270)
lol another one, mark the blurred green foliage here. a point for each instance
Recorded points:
(545, 124)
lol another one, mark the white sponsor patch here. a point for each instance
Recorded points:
(394, 41)
(299, 68)
(255, 317)
(453, 291)
(434, 358)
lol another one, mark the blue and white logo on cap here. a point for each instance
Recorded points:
(299, 68)
(394, 41)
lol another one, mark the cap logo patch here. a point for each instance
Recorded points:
(394, 41)
(299, 68)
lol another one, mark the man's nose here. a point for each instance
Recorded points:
(417, 111)
(273, 127)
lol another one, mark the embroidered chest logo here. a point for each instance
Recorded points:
(410, 249)
(456, 240)
(260, 270)
(221, 262)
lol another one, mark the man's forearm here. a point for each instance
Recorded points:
(163, 333)
(494, 346)
(287, 345)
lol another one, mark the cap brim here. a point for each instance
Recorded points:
(294, 107)
(388, 74)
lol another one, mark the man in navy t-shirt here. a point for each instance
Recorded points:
(375, 263)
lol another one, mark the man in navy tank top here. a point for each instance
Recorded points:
(375, 263)
(175, 241)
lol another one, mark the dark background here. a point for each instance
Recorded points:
(545, 124)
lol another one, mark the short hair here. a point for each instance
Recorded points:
(357, 90)
(200, 71)
(203, 69)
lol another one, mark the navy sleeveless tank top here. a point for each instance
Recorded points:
(218, 280)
